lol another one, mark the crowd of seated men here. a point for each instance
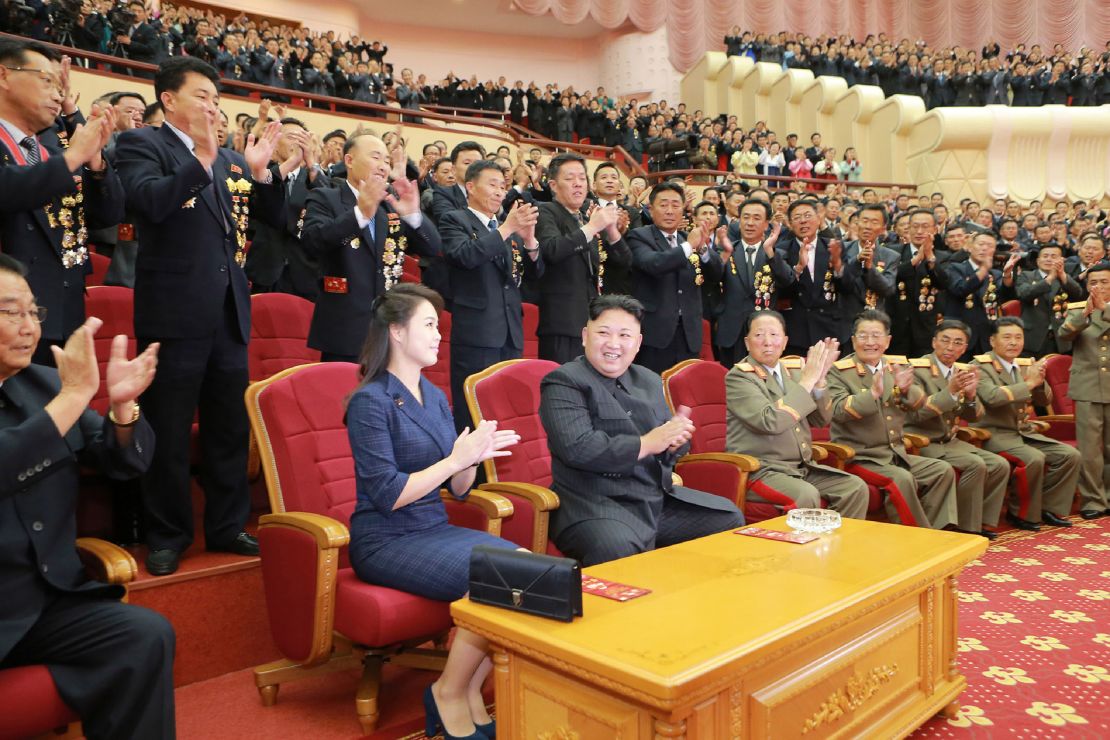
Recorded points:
(205, 212)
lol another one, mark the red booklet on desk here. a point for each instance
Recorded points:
(798, 538)
(610, 589)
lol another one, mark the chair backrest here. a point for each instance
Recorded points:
(297, 418)
(279, 334)
(1011, 308)
(706, 342)
(700, 384)
(509, 393)
(115, 306)
(410, 270)
(531, 324)
(1057, 370)
(100, 265)
(439, 374)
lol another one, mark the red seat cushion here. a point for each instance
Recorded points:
(29, 703)
(376, 615)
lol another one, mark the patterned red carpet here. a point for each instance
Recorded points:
(1035, 637)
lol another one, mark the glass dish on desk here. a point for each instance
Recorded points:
(815, 521)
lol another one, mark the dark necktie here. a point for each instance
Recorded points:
(31, 145)
(492, 224)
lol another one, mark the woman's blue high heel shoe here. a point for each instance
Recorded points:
(488, 730)
(433, 724)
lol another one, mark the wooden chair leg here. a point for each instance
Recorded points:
(369, 686)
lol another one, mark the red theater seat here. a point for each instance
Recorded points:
(1061, 423)
(700, 385)
(410, 270)
(509, 392)
(279, 334)
(29, 702)
(100, 265)
(440, 373)
(531, 324)
(322, 616)
(115, 306)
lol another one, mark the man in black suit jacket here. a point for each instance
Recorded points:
(870, 269)
(670, 268)
(433, 270)
(488, 263)
(915, 306)
(578, 253)
(751, 275)
(361, 245)
(112, 663)
(976, 291)
(607, 190)
(44, 214)
(614, 445)
(1045, 292)
(277, 261)
(192, 200)
(812, 302)
(141, 43)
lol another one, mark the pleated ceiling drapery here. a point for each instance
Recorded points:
(697, 26)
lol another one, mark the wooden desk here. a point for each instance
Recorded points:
(852, 635)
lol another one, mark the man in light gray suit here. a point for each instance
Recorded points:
(614, 445)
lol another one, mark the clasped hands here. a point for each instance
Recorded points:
(486, 441)
(817, 363)
(668, 436)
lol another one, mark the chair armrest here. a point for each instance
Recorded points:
(1039, 426)
(1060, 426)
(747, 463)
(541, 500)
(300, 565)
(106, 562)
(841, 454)
(327, 532)
(969, 435)
(979, 433)
(916, 441)
(479, 510)
(722, 473)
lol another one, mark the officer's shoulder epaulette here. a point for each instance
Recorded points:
(846, 364)
(792, 363)
(1023, 361)
(1073, 305)
(895, 359)
(986, 359)
(921, 362)
(744, 367)
(961, 365)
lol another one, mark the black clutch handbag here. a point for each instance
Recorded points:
(526, 582)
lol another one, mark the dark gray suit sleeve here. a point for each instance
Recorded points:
(572, 436)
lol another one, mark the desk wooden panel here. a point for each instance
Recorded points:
(852, 635)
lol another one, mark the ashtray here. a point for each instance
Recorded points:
(816, 521)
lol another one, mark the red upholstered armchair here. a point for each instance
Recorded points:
(531, 325)
(279, 334)
(509, 393)
(1061, 422)
(700, 384)
(323, 618)
(29, 702)
(100, 265)
(115, 306)
(440, 373)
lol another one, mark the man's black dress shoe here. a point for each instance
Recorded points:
(1088, 514)
(1057, 521)
(1020, 523)
(162, 562)
(989, 534)
(243, 544)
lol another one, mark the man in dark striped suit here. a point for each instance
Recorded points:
(614, 445)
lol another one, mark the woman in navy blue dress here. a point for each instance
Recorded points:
(404, 444)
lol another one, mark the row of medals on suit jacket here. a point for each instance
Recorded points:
(75, 250)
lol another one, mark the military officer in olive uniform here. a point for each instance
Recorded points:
(1051, 467)
(950, 389)
(1087, 331)
(769, 417)
(871, 395)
